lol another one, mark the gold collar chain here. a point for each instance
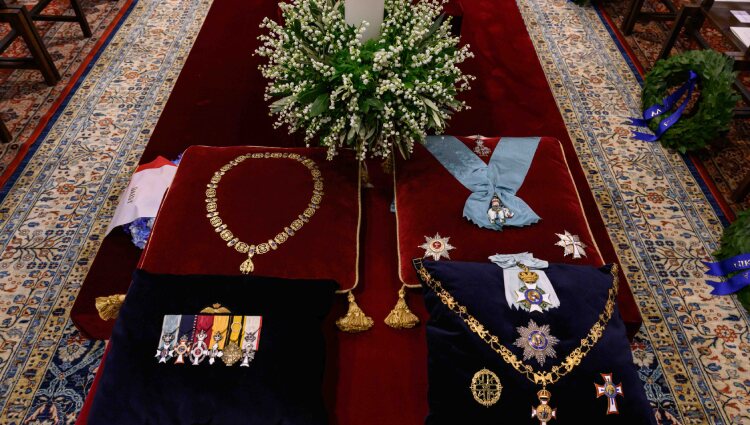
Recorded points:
(542, 378)
(232, 241)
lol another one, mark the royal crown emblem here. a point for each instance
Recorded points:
(543, 412)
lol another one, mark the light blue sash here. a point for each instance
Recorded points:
(503, 176)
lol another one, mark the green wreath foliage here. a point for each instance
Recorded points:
(713, 111)
(735, 241)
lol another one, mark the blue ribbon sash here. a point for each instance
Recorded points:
(731, 285)
(659, 109)
(739, 263)
(730, 265)
(503, 176)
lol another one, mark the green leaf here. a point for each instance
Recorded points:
(310, 95)
(430, 103)
(320, 105)
(375, 104)
(281, 103)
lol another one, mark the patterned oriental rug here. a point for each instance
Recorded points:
(692, 351)
(27, 103)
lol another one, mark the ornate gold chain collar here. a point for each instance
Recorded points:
(542, 378)
(232, 241)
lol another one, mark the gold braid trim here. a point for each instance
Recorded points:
(543, 378)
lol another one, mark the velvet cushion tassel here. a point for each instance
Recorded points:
(401, 317)
(109, 307)
(355, 320)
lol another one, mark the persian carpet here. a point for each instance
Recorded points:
(725, 165)
(660, 220)
(56, 211)
(26, 101)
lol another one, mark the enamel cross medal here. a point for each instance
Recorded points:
(182, 348)
(166, 351)
(215, 353)
(248, 349)
(543, 412)
(611, 391)
(530, 297)
(200, 349)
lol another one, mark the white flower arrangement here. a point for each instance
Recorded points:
(368, 96)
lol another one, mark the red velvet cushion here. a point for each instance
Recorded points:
(257, 199)
(430, 200)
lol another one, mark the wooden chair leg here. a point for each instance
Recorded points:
(78, 15)
(674, 33)
(632, 18)
(5, 136)
(78, 10)
(742, 190)
(22, 26)
(36, 46)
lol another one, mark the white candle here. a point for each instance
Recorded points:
(365, 10)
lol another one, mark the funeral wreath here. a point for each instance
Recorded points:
(736, 241)
(374, 97)
(712, 112)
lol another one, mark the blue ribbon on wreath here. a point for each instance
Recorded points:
(667, 104)
(739, 263)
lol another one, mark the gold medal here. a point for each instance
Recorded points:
(486, 387)
(232, 352)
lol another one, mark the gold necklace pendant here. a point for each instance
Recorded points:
(247, 266)
(543, 412)
(221, 228)
(486, 387)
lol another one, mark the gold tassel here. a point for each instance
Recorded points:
(401, 317)
(109, 307)
(355, 319)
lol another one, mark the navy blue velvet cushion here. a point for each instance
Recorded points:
(456, 353)
(281, 386)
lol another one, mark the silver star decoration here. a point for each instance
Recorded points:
(437, 247)
(572, 245)
(480, 149)
(532, 298)
(536, 342)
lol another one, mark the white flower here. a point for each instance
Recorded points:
(376, 97)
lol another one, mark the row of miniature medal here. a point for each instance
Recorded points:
(195, 338)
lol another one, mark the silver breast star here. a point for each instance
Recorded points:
(436, 247)
(572, 244)
(536, 342)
